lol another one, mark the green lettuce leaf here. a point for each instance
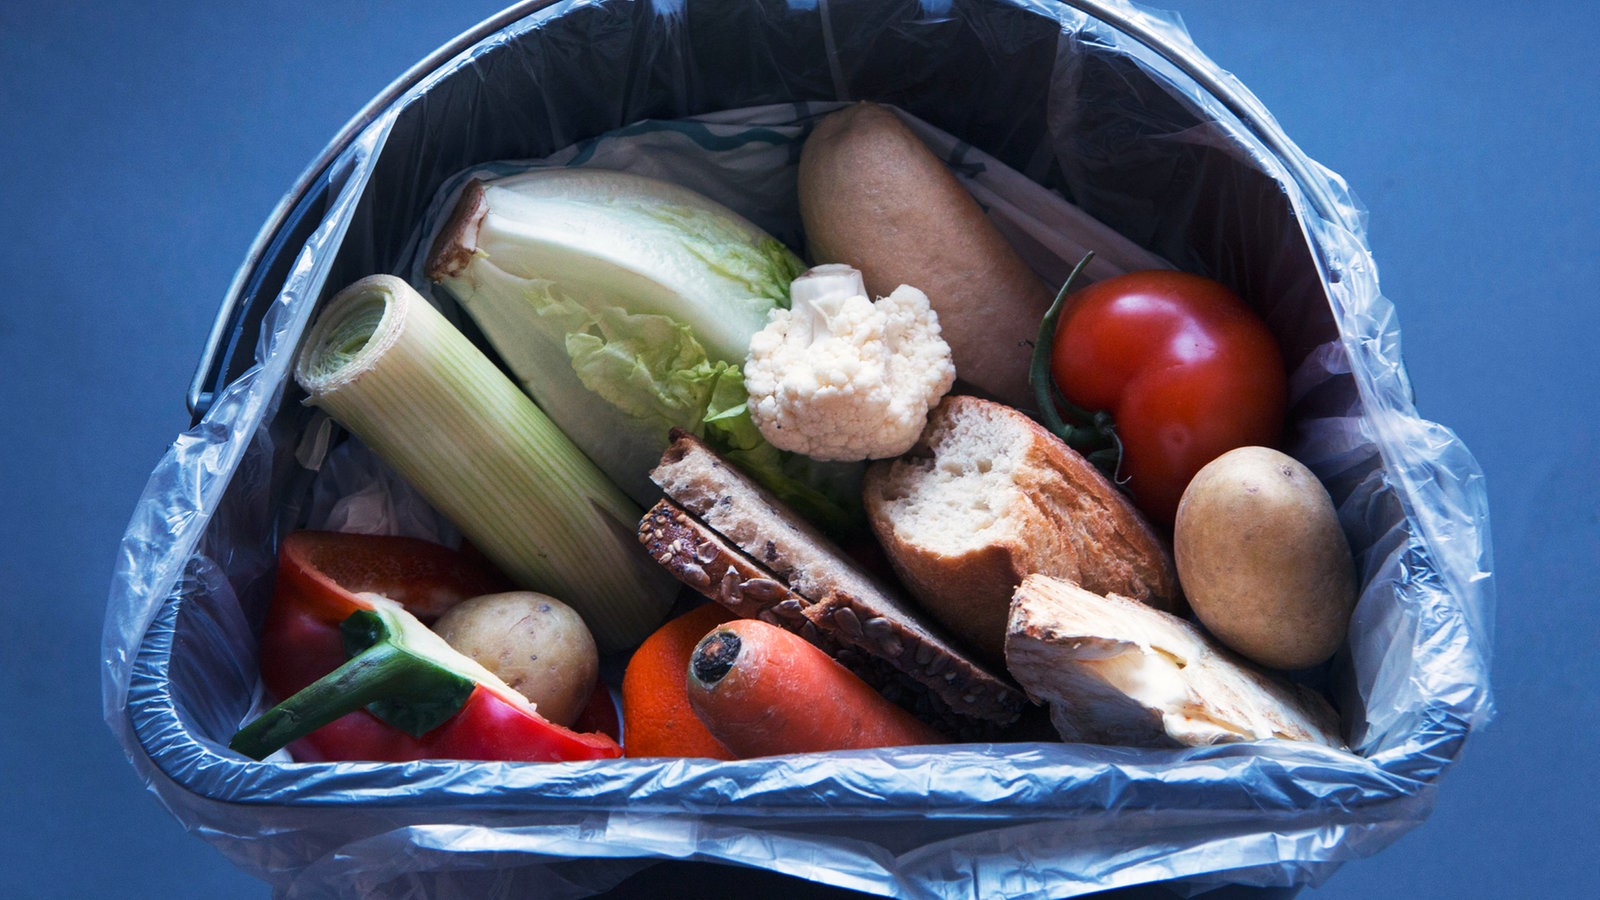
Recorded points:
(652, 292)
(826, 493)
(652, 368)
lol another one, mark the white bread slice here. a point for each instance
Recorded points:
(988, 496)
(1118, 672)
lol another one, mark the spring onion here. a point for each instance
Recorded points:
(386, 365)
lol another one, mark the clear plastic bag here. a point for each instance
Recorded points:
(1105, 106)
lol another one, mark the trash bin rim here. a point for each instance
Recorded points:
(200, 395)
(1237, 100)
(1377, 796)
(1372, 791)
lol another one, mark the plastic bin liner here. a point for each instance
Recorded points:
(1037, 105)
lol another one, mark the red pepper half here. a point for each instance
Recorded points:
(366, 680)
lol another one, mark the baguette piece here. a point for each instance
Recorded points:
(782, 567)
(1118, 672)
(987, 496)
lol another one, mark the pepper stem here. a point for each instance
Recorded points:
(406, 690)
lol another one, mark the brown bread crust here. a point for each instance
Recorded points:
(746, 530)
(1045, 509)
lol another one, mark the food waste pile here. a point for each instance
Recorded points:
(888, 488)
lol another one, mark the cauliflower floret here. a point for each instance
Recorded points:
(839, 377)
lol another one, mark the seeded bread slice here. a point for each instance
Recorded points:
(986, 497)
(836, 598)
(698, 479)
(949, 678)
(703, 560)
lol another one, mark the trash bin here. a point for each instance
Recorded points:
(1106, 105)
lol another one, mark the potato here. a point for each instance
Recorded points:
(874, 196)
(1262, 558)
(534, 643)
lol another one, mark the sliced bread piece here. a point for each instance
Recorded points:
(848, 609)
(1114, 671)
(702, 559)
(951, 679)
(988, 496)
(697, 478)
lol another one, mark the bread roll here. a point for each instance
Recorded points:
(872, 195)
(988, 496)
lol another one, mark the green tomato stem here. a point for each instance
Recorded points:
(1098, 440)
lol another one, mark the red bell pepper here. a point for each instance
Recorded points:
(366, 680)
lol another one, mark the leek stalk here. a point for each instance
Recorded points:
(382, 362)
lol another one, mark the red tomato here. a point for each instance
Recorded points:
(1186, 370)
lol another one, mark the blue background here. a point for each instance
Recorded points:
(143, 145)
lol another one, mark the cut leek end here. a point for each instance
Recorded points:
(360, 323)
(387, 366)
